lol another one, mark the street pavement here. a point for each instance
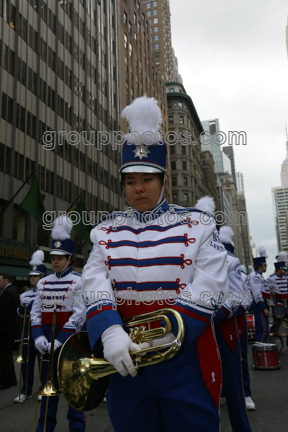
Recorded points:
(269, 392)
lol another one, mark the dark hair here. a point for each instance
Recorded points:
(160, 175)
(6, 276)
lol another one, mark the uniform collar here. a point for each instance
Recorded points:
(149, 216)
(65, 273)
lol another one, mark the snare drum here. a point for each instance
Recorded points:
(279, 310)
(250, 327)
(281, 327)
(265, 356)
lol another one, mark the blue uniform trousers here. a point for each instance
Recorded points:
(166, 397)
(77, 419)
(33, 353)
(245, 369)
(232, 379)
(261, 324)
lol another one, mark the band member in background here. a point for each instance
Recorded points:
(257, 286)
(64, 285)
(156, 252)
(37, 271)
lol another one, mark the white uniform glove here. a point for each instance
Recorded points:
(117, 345)
(26, 301)
(41, 344)
(57, 344)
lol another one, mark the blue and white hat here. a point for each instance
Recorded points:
(143, 151)
(37, 267)
(261, 259)
(280, 265)
(226, 234)
(62, 244)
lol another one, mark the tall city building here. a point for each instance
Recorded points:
(280, 205)
(139, 74)
(245, 231)
(187, 160)
(158, 13)
(240, 183)
(228, 150)
(59, 72)
(209, 142)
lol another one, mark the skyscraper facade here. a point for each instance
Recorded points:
(59, 73)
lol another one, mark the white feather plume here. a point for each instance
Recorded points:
(62, 228)
(251, 269)
(37, 258)
(206, 203)
(143, 115)
(262, 252)
(283, 256)
(243, 268)
(226, 234)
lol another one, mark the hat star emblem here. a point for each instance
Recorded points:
(34, 268)
(57, 244)
(141, 151)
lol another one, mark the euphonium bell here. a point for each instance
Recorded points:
(83, 374)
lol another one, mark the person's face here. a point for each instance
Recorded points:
(34, 279)
(3, 283)
(142, 190)
(281, 272)
(59, 262)
(263, 269)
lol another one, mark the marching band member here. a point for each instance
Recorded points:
(37, 271)
(243, 337)
(277, 282)
(65, 286)
(153, 257)
(228, 341)
(257, 286)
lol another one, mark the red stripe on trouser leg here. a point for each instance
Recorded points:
(241, 326)
(229, 332)
(210, 363)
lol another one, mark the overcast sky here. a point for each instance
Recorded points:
(232, 56)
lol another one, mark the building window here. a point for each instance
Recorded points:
(171, 90)
(155, 12)
(156, 46)
(185, 181)
(154, 3)
(172, 150)
(130, 27)
(170, 119)
(125, 41)
(170, 105)
(185, 195)
(125, 18)
(175, 197)
(184, 166)
(148, 5)
(155, 21)
(174, 181)
(149, 14)
(156, 37)
(155, 29)
(183, 150)
(181, 119)
(180, 105)
(157, 63)
(173, 165)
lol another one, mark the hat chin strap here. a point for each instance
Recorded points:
(65, 268)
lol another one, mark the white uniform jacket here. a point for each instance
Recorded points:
(257, 284)
(277, 285)
(247, 293)
(31, 295)
(66, 289)
(174, 259)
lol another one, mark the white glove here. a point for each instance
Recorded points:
(41, 344)
(117, 345)
(170, 337)
(26, 301)
(57, 344)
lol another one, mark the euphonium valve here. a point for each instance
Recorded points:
(83, 374)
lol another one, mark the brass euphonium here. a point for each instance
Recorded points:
(20, 359)
(83, 374)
